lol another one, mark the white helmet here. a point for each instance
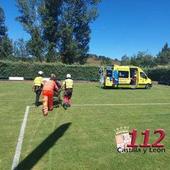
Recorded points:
(40, 72)
(68, 76)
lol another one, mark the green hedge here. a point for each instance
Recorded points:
(29, 70)
(160, 74)
(78, 72)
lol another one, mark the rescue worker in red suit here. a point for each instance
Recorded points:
(48, 93)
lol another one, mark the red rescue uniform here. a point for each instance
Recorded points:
(48, 92)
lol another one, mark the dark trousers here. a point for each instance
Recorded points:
(37, 98)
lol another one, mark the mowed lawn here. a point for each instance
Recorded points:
(83, 137)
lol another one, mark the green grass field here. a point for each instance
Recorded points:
(82, 138)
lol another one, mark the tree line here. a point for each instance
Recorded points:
(59, 30)
(144, 59)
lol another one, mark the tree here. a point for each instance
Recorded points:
(106, 60)
(31, 21)
(165, 47)
(50, 12)
(163, 57)
(75, 29)
(3, 29)
(20, 50)
(58, 26)
(6, 48)
(68, 46)
(36, 46)
(125, 60)
(143, 59)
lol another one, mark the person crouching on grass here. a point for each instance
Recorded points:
(68, 90)
(48, 93)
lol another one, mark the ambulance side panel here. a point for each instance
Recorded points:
(124, 77)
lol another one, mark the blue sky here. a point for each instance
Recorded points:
(123, 26)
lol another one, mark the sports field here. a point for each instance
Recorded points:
(82, 137)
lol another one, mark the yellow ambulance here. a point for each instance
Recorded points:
(125, 77)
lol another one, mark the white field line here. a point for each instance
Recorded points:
(20, 140)
(119, 104)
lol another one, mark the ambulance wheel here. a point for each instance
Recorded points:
(147, 86)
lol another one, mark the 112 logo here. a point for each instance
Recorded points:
(146, 134)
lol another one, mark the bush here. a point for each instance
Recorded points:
(29, 70)
(78, 72)
(160, 74)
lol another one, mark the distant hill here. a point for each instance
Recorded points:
(93, 59)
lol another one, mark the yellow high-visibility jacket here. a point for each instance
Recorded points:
(68, 84)
(38, 81)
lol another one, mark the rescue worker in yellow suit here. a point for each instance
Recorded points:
(68, 90)
(37, 87)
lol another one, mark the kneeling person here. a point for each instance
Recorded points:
(68, 90)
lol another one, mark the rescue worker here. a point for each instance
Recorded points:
(68, 90)
(37, 87)
(115, 78)
(101, 74)
(134, 79)
(48, 93)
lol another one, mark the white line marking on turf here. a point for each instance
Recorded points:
(20, 140)
(120, 104)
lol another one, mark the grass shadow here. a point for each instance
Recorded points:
(31, 160)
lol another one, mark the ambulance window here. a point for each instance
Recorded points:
(123, 74)
(143, 75)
